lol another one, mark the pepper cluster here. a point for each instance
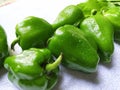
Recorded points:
(81, 36)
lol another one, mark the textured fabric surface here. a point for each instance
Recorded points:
(107, 76)
(5, 2)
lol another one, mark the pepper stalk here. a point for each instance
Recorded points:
(53, 65)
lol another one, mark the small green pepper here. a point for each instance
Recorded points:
(113, 15)
(32, 32)
(33, 69)
(113, 0)
(101, 30)
(88, 6)
(78, 54)
(91, 5)
(69, 15)
(3, 46)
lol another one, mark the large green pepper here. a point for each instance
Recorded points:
(33, 69)
(113, 0)
(3, 46)
(69, 15)
(93, 5)
(32, 32)
(88, 6)
(101, 30)
(113, 15)
(78, 54)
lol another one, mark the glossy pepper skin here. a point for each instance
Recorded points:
(32, 32)
(69, 15)
(101, 30)
(90, 5)
(113, 15)
(3, 46)
(78, 54)
(33, 69)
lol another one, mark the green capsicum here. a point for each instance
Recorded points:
(69, 15)
(90, 5)
(3, 46)
(113, 0)
(33, 69)
(32, 32)
(101, 30)
(113, 15)
(78, 53)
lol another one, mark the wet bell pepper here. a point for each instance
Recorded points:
(113, 15)
(88, 6)
(101, 30)
(32, 32)
(69, 15)
(33, 69)
(3, 46)
(113, 0)
(78, 54)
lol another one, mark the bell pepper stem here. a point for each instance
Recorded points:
(49, 40)
(55, 64)
(94, 12)
(14, 43)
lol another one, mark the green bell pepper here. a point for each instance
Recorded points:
(78, 54)
(90, 5)
(69, 15)
(3, 46)
(113, 0)
(33, 69)
(113, 15)
(32, 32)
(101, 30)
